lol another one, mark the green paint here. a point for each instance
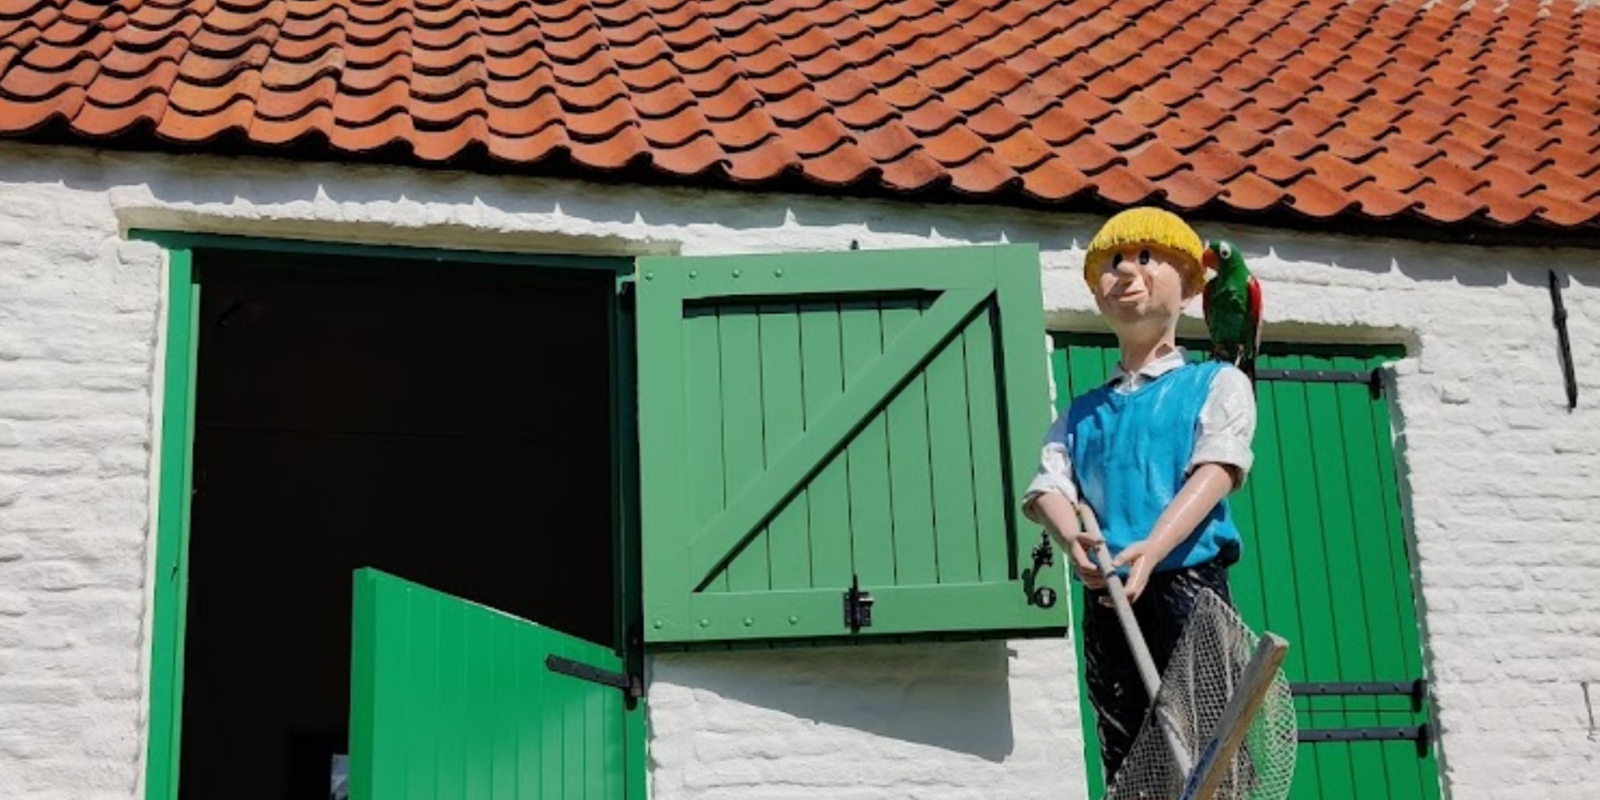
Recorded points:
(910, 484)
(172, 530)
(828, 495)
(870, 515)
(891, 393)
(449, 698)
(782, 424)
(1325, 562)
(750, 504)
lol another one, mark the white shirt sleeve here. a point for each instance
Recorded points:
(1055, 468)
(1227, 424)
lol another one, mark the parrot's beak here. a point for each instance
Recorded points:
(1208, 261)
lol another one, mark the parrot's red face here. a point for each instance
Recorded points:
(1141, 287)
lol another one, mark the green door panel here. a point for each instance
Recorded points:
(451, 699)
(809, 420)
(1325, 563)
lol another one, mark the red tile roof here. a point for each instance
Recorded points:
(1462, 115)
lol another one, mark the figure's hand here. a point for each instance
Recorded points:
(1086, 539)
(1138, 558)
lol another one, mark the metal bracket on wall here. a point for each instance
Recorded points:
(1372, 379)
(1559, 317)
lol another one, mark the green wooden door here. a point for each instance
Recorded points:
(1325, 563)
(813, 422)
(450, 699)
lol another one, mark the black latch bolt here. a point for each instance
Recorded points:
(857, 607)
(1044, 555)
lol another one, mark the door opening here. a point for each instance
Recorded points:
(448, 424)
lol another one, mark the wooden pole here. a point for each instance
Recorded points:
(1147, 665)
(1217, 757)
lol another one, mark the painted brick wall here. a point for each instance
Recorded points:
(1502, 480)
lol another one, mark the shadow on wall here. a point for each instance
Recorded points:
(950, 695)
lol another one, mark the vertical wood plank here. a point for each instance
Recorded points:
(702, 365)
(988, 469)
(910, 480)
(828, 496)
(950, 461)
(739, 334)
(872, 531)
(783, 413)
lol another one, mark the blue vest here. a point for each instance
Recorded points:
(1130, 453)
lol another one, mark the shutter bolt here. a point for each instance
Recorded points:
(705, 623)
(694, 273)
(748, 622)
(649, 276)
(736, 273)
(658, 624)
(794, 620)
(778, 272)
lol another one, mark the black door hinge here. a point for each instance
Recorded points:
(857, 607)
(625, 294)
(1421, 734)
(1417, 690)
(630, 685)
(1372, 379)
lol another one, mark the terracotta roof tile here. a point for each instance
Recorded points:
(1443, 112)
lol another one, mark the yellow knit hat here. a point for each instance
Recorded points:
(1147, 226)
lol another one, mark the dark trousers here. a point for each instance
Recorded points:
(1118, 695)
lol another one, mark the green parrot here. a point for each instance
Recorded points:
(1232, 306)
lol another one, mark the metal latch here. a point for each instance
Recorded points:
(1044, 555)
(857, 607)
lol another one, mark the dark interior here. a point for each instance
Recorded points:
(449, 424)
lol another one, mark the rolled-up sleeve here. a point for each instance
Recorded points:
(1055, 469)
(1227, 426)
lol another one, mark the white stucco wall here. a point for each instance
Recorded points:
(1502, 481)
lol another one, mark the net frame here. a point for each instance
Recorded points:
(1216, 709)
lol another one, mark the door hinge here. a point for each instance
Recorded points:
(1372, 379)
(1417, 690)
(630, 685)
(1421, 734)
(626, 289)
(857, 607)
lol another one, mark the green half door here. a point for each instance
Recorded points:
(815, 422)
(1325, 563)
(453, 700)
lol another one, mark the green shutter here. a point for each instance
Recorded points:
(809, 420)
(1325, 562)
(450, 699)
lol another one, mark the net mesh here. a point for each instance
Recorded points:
(1207, 662)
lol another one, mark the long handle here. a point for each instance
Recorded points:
(1141, 657)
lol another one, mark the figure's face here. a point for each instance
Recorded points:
(1141, 286)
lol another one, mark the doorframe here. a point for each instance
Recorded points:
(176, 451)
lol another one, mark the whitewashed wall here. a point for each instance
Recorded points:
(1503, 482)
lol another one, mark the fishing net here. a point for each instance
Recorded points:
(1206, 664)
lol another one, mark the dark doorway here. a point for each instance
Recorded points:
(447, 423)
